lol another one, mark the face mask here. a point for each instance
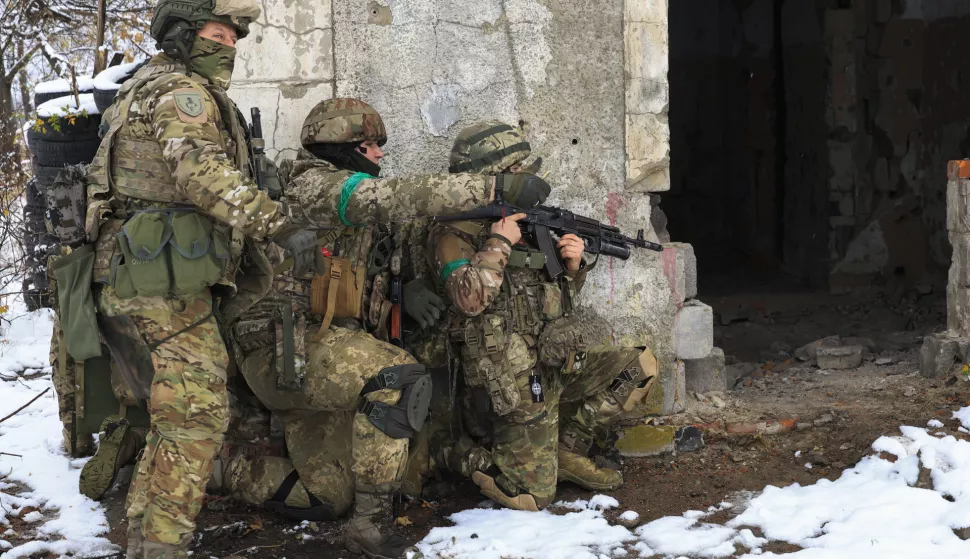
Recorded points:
(214, 61)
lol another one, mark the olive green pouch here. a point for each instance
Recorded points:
(76, 304)
(143, 270)
(198, 254)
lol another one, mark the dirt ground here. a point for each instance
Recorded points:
(840, 413)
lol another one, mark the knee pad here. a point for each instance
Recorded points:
(405, 418)
(635, 381)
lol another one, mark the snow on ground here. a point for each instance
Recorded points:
(44, 478)
(873, 510)
(67, 105)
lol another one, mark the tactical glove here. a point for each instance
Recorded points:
(271, 179)
(422, 304)
(524, 190)
(301, 245)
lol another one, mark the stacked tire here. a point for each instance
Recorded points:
(107, 83)
(73, 140)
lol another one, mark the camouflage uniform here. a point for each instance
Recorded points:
(517, 339)
(176, 140)
(337, 455)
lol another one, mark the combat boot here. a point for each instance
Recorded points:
(370, 530)
(491, 489)
(119, 446)
(136, 541)
(583, 472)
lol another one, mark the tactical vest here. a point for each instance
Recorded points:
(502, 341)
(130, 172)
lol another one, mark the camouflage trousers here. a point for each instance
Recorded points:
(65, 386)
(330, 444)
(578, 407)
(188, 408)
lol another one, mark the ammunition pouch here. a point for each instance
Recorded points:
(289, 357)
(176, 252)
(404, 419)
(76, 310)
(129, 352)
(336, 292)
(492, 358)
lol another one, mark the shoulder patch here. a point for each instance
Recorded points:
(189, 104)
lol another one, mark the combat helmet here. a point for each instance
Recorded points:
(488, 147)
(342, 120)
(175, 22)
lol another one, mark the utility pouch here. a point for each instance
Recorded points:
(198, 253)
(141, 269)
(76, 305)
(550, 301)
(336, 291)
(558, 339)
(492, 359)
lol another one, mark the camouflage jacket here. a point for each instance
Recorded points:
(173, 138)
(472, 268)
(386, 215)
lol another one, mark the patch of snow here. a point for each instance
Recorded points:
(963, 415)
(808, 465)
(676, 535)
(84, 83)
(72, 524)
(935, 424)
(496, 534)
(598, 502)
(630, 516)
(33, 517)
(891, 446)
(63, 106)
(798, 453)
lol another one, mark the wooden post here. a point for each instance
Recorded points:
(100, 56)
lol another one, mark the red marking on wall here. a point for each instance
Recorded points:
(613, 204)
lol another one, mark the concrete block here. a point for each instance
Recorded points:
(708, 374)
(680, 267)
(960, 260)
(958, 309)
(308, 56)
(943, 354)
(809, 352)
(839, 358)
(958, 205)
(694, 331)
(645, 11)
(648, 152)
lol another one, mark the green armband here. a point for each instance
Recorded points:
(350, 185)
(451, 267)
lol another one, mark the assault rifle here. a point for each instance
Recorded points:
(542, 221)
(257, 147)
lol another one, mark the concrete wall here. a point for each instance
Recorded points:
(587, 81)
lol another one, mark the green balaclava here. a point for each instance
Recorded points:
(213, 61)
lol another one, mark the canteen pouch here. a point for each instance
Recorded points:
(76, 304)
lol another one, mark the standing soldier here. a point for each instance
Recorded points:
(173, 175)
(524, 356)
(316, 350)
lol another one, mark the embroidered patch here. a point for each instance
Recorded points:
(189, 104)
